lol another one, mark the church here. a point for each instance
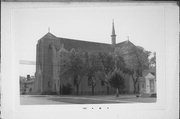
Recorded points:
(48, 49)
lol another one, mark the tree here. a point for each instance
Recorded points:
(93, 66)
(153, 60)
(76, 67)
(73, 65)
(119, 63)
(116, 80)
(111, 62)
(25, 88)
(108, 64)
(63, 66)
(136, 65)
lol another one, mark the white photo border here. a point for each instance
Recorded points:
(167, 74)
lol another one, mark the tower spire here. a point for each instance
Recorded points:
(113, 36)
(127, 38)
(113, 29)
(49, 29)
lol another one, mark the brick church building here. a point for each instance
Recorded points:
(48, 49)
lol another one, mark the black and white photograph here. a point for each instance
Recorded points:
(90, 60)
(87, 55)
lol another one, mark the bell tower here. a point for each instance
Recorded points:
(113, 36)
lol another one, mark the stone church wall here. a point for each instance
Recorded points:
(48, 80)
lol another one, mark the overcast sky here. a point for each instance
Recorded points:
(143, 24)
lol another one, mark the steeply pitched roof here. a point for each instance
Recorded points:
(152, 71)
(83, 45)
(121, 44)
(113, 29)
(49, 36)
(149, 76)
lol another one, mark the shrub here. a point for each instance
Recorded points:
(67, 89)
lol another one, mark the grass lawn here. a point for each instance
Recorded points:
(53, 99)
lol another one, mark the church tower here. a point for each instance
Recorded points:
(113, 36)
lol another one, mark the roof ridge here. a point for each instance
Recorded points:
(49, 35)
(83, 41)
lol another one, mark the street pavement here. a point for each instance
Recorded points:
(103, 99)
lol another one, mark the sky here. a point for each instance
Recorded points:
(143, 24)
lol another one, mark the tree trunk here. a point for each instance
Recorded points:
(135, 90)
(92, 89)
(134, 84)
(77, 89)
(138, 89)
(117, 92)
(108, 90)
(60, 90)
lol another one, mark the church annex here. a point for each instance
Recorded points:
(48, 49)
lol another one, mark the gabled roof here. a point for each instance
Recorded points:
(49, 35)
(121, 44)
(151, 71)
(150, 76)
(83, 45)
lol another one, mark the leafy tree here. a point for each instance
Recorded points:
(76, 67)
(108, 64)
(25, 88)
(67, 89)
(153, 60)
(119, 63)
(72, 65)
(111, 62)
(136, 65)
(93, 66)
(116, 80)
(64, 62)
(63, 66)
